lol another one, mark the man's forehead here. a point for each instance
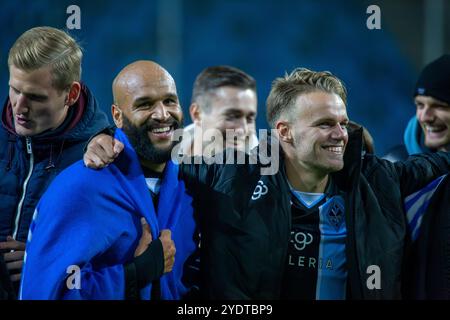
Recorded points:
(31, 81)
(153, 91)
(231, 92)
(317, 105)
(238, 99)
(143, 86)
(154, 87)
(156, 80)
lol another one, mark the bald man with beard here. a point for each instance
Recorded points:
(113, 233)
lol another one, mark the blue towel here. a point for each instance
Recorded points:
(91, 219)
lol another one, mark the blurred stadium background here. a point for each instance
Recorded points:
(265, 38)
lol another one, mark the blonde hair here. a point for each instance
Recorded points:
(45, 46)
(300, 81)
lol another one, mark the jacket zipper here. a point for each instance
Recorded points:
(24, 188)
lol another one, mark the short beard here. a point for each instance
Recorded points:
(141, 143)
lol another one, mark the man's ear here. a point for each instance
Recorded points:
(284, 131)
(117, 116)
(74, 94)
(196, 113)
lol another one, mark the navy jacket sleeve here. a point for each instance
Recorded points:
(421, 169)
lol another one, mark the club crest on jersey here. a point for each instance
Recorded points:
(336, 213)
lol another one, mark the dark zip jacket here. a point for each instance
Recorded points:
(245, 221)
(25, 172)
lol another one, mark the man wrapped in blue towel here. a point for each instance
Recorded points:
(91, 236)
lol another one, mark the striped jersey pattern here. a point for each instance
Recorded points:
(315, 267)
(416, 205)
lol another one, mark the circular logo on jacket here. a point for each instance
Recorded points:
(260, 190)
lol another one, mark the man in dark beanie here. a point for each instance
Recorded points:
(427, 272)
(429, 129)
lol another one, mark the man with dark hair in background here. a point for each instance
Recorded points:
(223, 98)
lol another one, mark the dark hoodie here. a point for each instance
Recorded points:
(24, 176)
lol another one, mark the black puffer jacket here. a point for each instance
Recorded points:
(25, 176)
(245, 221)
